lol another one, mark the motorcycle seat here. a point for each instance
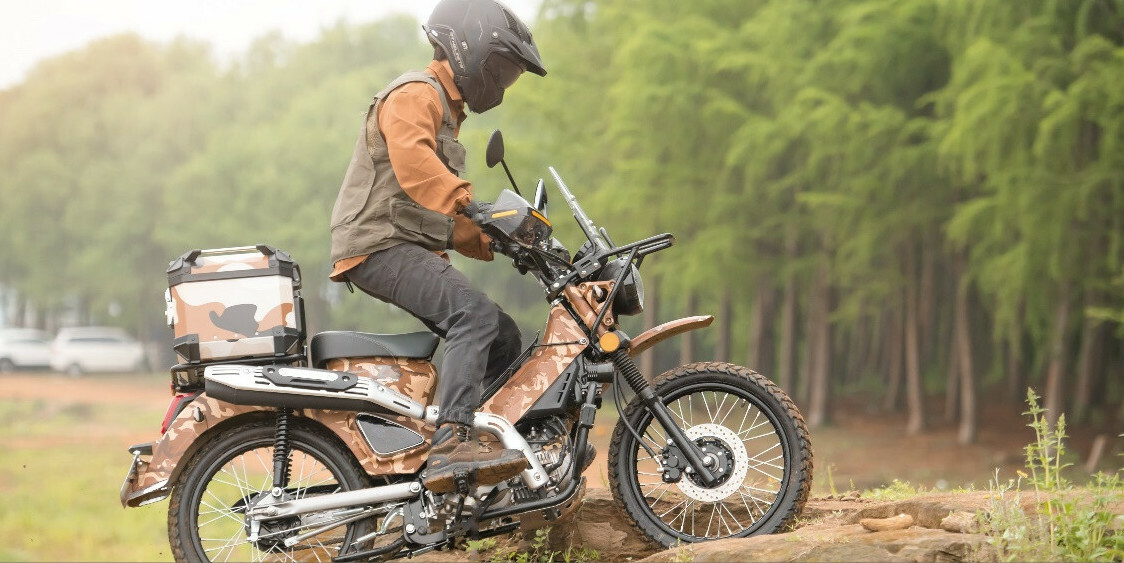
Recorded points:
(349, 344)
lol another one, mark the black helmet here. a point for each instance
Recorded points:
(487, 46)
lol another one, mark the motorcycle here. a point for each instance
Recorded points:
(315, 452)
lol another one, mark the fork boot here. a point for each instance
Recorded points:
(459, 458)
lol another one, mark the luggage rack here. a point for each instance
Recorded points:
(188, 377)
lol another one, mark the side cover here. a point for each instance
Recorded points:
(399, 451)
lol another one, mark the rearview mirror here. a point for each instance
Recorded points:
(494, 154)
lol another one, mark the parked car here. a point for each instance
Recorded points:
(89, 349)
(24, 348)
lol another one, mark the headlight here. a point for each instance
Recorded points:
(630, 296)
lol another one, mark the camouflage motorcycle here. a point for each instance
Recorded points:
(318, 455)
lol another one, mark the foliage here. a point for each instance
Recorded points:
(895, 490)
(880, 157)
(1068, 523)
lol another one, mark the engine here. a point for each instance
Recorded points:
(549, 438)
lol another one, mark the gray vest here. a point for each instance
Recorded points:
(372, 212)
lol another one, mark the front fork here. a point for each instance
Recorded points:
(654, 402)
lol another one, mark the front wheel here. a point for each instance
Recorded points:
(206, 517)
(752, 434)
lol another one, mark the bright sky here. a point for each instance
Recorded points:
(31, 30)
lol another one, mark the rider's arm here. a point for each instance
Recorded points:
(409, 119)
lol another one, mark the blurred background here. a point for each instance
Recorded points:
(905, 212)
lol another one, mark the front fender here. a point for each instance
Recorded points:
(658, 334)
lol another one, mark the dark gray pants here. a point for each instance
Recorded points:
(481, 340)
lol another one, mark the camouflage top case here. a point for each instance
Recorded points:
(235, 303)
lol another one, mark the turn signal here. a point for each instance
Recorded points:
(610, 342)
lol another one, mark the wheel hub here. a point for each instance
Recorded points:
(271, 534)
(730, 463)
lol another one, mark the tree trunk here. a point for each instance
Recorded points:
(873, 361)
(819, 413)
(952, 380)
(756, 320)
(787, 346)
(1088, 362)
(686, 340)
(894, 345)
(725, 325)
(1055, 375)
(967, 432)
(856, 349)
(927, 301)
(20, 317)
(650, 318)
(1016, 379)
(914, 389)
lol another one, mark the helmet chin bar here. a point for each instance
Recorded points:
(477, 99)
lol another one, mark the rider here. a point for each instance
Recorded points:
(402, 204)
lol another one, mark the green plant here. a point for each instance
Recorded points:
(477, 547)
(684, 554)
(539, 552)
(1069, 524)
(831, 480)
(896, 490)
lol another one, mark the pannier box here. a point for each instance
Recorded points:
(235, 303)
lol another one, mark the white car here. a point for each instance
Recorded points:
(24, 348)
(88, 349)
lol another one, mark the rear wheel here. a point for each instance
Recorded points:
(755, 439)
(206, 517)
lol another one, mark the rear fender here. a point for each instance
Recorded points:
(150, 479)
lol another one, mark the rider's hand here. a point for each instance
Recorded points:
(477, 210)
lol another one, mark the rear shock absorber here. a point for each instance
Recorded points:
(281, 452)
(635, 379)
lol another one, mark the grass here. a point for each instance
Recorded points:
(537, 551)
(60, 477)
(1066, 523)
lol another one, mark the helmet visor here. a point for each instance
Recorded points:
(504, 70)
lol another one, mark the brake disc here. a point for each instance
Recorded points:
(738, 465)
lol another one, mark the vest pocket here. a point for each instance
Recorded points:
(453, 153)
(427, 228)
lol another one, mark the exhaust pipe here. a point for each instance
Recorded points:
(348, 499)
(305, 388)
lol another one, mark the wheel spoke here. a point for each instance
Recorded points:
(731, 422)
(223, 496)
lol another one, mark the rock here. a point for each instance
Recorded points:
(961, 522)
(600, 523)
(839, 543)
(827, 530)
(899, 522)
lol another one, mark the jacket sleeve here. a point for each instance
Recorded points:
(409, 119)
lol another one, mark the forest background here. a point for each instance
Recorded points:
(906, 203)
